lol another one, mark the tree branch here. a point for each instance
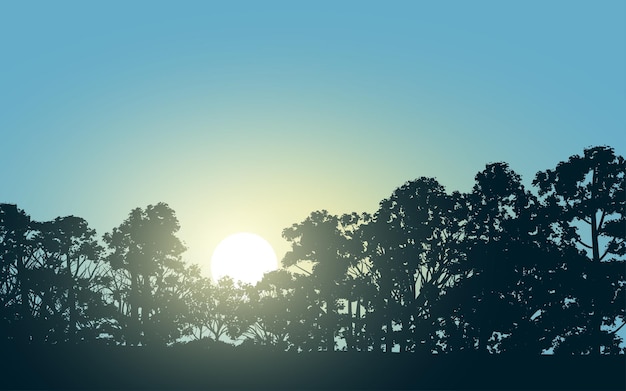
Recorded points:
(307, 272)
(599, 228)
(584, 244)
(605, 253)
(618, 329)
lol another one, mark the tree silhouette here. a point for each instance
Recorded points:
(199, 297)
(215, 310)
(328, 243)
(359, 287)
(51, 288)
(413, 245)
(503, 246)
(146, 254)
(70, 249)
(316, 240)
(498, 270)
(584, 199)
(268, 312)
(305, 315)
(18, 261)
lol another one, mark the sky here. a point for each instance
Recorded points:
(250, 115)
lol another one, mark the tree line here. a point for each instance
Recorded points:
(499, 269)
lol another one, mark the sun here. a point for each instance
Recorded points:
(244, 257)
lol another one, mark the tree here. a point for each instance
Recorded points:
(70, 249)
(496, 300)
(584, 201)
(326, 243)
(359, 287)
(269, 310)
(17, 249)
(51, 280)
(412, 243)
(214, 310)
(145, 255)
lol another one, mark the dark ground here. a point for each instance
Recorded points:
(187, 368)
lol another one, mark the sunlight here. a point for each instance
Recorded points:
(244, 256)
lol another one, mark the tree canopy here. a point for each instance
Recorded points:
(505, 268)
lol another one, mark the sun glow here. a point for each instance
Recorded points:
(244, 257)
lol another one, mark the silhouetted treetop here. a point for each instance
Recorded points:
(501, 269)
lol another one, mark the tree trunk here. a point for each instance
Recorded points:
(72, 304)
(330, 336)
(350, 339)
(389, 335)
(133, 324)
(358, 325)
(26, 316)
(149, 335)
(596, 332)
(596, 324)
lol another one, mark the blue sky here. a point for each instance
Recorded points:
(249, 115)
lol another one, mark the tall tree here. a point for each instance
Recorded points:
(17, 249)
(269, 310)
(502, 245)
(325, 244)
(215, 310)
(413, 245)
(50, 279)
(584, 200)
(146, 254)
(70, 248)
(359, 288)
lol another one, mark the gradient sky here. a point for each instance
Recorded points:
(249, 115)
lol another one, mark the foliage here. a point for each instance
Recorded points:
(51, 283)
(497, 270)
(145, 259)
(584, 200)
(413, 244)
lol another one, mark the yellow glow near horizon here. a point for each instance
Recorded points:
(244, 257)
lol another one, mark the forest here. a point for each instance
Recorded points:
(500, 271)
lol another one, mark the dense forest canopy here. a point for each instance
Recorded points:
(500, 269)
